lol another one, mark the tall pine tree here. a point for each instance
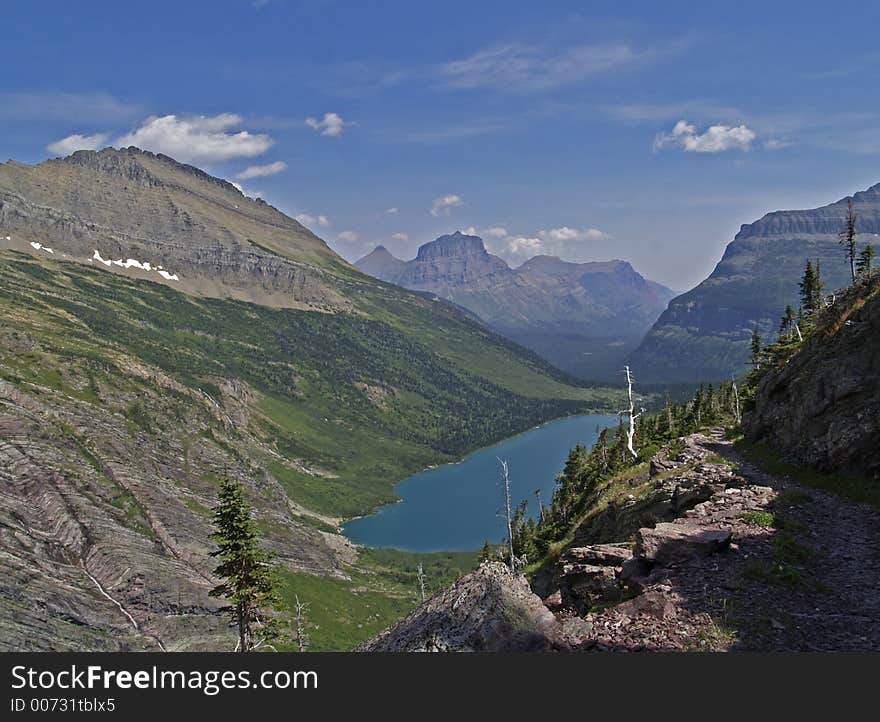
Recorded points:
(249, 579)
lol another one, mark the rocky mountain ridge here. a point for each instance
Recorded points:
(704, 333)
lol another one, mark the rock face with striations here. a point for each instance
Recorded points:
(488, 610)
(201, 230)
(822, 408)
(583, 317)
(704, 334)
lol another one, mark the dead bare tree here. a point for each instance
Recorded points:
(302, 636)
(631, 414)
(737, 409)
(420, 575)
(540, 504)
(505, 480)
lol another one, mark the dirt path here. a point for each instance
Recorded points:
(802, 573)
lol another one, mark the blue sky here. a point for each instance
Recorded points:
(643, 131)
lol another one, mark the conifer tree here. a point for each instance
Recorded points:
(249, 578)
(865, 261)
(847, 237)
(811, 288)
(786, 326)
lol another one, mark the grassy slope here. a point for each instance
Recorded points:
(74, 333)
(305, 369)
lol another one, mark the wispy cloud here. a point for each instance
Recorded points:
(197, 138)
(348, 236)
(716, 139)
(75, 142)
(521, 68)
(331, 125)
(83, 107)
(451, 133)
(443, 205)
(261, 171)
(310, 220)
(400, 236)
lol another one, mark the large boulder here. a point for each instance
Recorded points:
(667, 543)
(488, 610)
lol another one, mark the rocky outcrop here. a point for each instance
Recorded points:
(762, 564)
(488, 610)
(583, 317)
(820, 408)
(704, 333)
(675, 482)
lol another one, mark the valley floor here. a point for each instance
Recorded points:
(801, 572)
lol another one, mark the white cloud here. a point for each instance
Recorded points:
(309, 220)
(518, 67)
(75, 142)
(571, 244)
(400, 236)
(564, 234)
(348, 236)
(392, 211)
(524, 247)
(331, 125)
(197, 138)
(261, 171)
(443, 205)
(716, 139)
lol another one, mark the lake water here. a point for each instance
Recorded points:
(458, 507)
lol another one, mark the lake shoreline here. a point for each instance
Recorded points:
(457, 496)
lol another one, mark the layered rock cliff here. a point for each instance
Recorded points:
(704, 333)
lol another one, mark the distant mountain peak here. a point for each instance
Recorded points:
(451, 245)
(381, 263)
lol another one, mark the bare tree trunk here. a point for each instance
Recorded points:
(302, 637)
(631, 431)
(421, 577)
(540, 505)
(505, 478)
(737, 410)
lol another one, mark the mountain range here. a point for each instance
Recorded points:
(704, 334)
(583, 317)
(159, 330)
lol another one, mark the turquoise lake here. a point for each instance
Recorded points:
(458, 507)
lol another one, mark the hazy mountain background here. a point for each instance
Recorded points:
(585, 318)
